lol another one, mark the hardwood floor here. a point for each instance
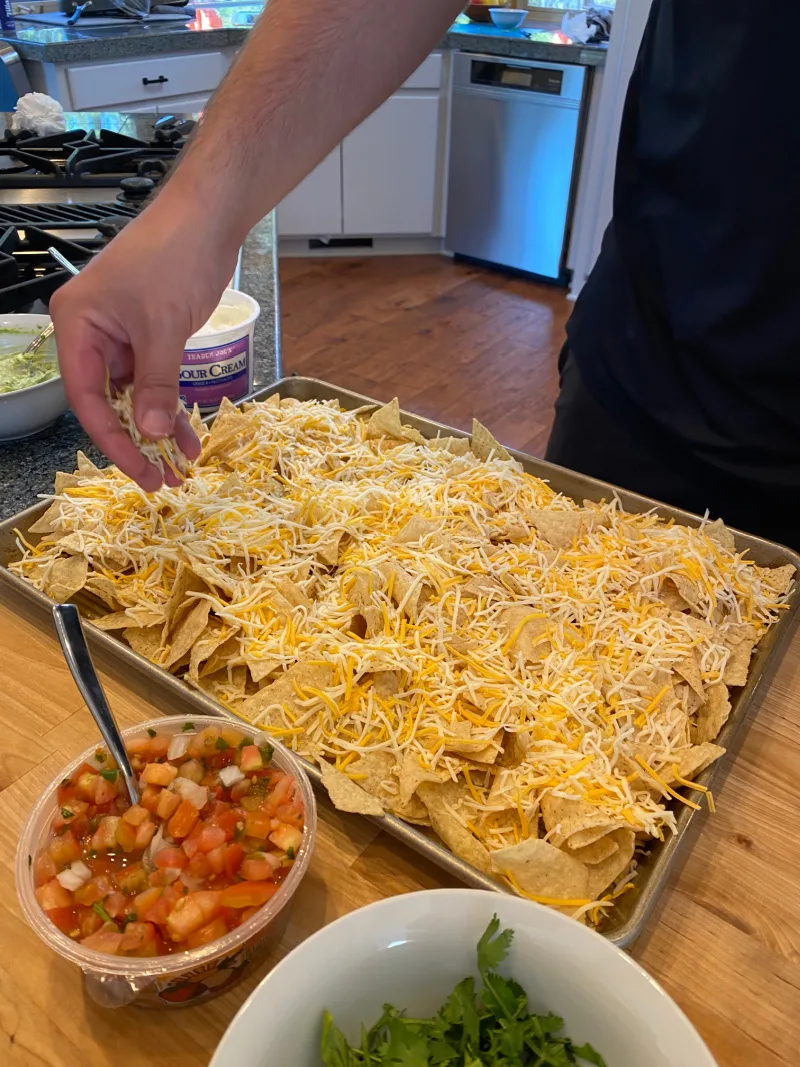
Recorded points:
(451, 340)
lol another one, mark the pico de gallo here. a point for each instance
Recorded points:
(215, 832)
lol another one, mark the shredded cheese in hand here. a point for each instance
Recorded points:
(163, 454)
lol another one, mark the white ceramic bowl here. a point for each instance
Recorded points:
(27, 411)
(507, 18)
(411, 950)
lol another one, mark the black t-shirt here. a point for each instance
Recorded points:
(688, 329)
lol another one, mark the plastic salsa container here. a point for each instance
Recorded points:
(180, 978)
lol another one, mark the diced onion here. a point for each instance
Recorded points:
(197, 795)
(178, 745)
(230, 775)
(275, 859)
(76, 875)
(170, 874)
(154, 847)
(191, 883)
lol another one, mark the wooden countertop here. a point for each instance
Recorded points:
(724, 941)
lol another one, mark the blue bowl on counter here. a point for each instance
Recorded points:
(507, 18)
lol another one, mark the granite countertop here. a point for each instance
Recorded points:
(27, 467)
(228, 24)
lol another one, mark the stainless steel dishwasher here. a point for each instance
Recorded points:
(515, 136)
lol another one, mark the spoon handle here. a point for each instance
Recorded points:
(62, 259)
(76, 653)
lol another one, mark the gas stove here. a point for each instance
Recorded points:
(99, 158)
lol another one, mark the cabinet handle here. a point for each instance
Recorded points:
(160, 80)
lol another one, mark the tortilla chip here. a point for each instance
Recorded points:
(604, 874)
(186, 581)
(196, 422)
(386, 684)
(509, 528)
(543, 870)
(66, 578)
(146, 642)
(293, 593)
(411, 776)
(679, 591)
(457, 446)
(529, 629)
(414, 530)
(117, 620)
(227, 655)
(86, 467)
(694, 760)
(599, 851)
(689, 670)
(484, 444)
(330, 551)
(104, 589)
(778, 578)
(713, 715)
(514, 749)
(47, 522)
(718, 532)
(574, 823)
(741, 640)
(482, 585)
(559, 528)
(186, 632)
(347, 795)
(386, 422)
(373, 773)
(261, 667)
(65, 481)
(282, 692)
(438, 799)
(410, 591)
(205, 646)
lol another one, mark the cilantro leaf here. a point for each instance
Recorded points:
(586, 1052)
(493, 947)
(405, 1047)
(335, 1050)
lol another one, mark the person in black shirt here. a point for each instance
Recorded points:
(681, 373)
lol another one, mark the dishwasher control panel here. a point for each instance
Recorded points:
(512, 76)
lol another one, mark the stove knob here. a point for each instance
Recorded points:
(136, 188)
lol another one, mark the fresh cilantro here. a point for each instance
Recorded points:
(244, 742)
(187, 726)
(101, 911)
(490, 1027)
(151, 732)
(221, 744)
(290, 853)
(100, 756)
(110, 776)
(66, 813)
(267, 752)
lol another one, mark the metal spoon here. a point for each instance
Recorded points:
(76, 652)
(40, 339)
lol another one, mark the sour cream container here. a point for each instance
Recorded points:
(218, 360)
(183, 978)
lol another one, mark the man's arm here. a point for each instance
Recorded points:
(309, 74)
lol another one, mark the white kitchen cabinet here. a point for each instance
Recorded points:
(314, 208)
(389, 168)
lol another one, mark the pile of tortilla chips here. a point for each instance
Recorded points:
(451, 640)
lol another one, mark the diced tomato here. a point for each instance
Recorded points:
(250, 759)
(105, 836)
(88, 921)
(256, 868)
(257, 824)
(216, 860)
(181, 823)
(104, 791)
(282, 792)
(233, 859)
(210, 837)
(204, 744)
(126, 836)
(136, 815)
(287, 837)
(144, 834)
(132, 879)
(150, 797)
(91, 892)
(158, 774)
(192, 912)
(144, 902)
(248, 913)
(210, 932)
(53, 895)
(170, 857)
(44, 868)
(248, 894)
(159, 746)
(227, 821)
(199, 866)
(138, 746)
(136, 937)
(240, 789)
(86, 785)
(167, 804)
(64, 919)
(69, 813)
(232, 736)
(117, 905)
(64, 849)
(107, 939)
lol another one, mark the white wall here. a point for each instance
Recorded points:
(595, 192)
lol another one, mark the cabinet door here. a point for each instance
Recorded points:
(314, 208)
(390, 168)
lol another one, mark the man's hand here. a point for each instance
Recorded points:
(128, 315)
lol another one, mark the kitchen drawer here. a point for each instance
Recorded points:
(428, 76)
(102, 85)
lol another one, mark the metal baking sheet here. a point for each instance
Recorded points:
(627, 920)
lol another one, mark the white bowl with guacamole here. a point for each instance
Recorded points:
(31, 391)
